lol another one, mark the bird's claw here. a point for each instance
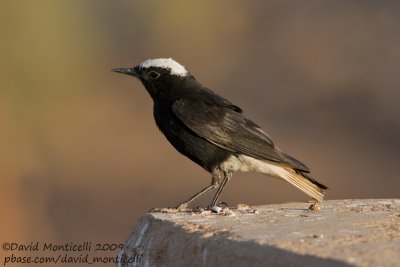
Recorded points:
(215, 209)
(183, 207)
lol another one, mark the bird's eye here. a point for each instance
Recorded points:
(154, 74)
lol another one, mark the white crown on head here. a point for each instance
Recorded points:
(166, 63)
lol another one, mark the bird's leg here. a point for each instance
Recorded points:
(227, 177)
(216, 178)
(184, 205)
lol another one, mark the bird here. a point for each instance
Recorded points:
(215, 133)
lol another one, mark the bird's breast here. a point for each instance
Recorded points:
(187, 142)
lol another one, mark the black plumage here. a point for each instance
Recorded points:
(212, 131)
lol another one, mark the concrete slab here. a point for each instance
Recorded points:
(342, 233)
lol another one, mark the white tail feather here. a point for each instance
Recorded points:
(246, 163)
(303, 184)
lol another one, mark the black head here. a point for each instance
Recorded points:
(161, 77)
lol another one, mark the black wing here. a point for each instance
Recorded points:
(223, 124)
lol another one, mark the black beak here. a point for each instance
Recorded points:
(130, 71)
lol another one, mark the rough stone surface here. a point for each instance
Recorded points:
(342, 233)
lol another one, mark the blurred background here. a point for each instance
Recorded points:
(81, 158)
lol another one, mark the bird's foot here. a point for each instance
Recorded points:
(222, 207)
(215, 209)
(183, 207)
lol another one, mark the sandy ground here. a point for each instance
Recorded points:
(342, 233)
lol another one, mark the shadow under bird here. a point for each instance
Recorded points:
(213, 132)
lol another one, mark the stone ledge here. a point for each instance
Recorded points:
(342, 233)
